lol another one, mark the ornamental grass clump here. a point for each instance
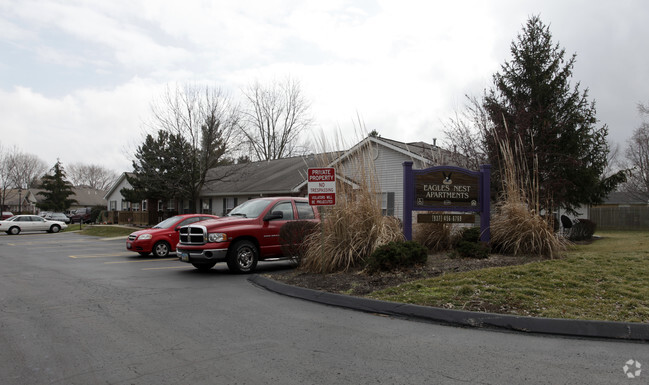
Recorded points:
(517, 227)
(352, 229)
(434, 236)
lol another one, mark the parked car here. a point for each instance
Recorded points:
(162, 238)
(57, 217)
(81, 215)
(6, 215)
(248, 234)
(18, 223)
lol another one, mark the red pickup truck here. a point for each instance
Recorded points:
(248, 234)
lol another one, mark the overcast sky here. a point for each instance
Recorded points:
(77, 77)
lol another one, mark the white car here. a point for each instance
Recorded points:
(18, 223)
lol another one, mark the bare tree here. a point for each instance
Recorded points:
(18, 170)
(275, 116)
(27, 170)
(22, 170)
(637, 156)
(5, 176)
(91, 175)
(464, 135)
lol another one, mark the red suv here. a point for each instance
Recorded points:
(162, 238)
(249, 233)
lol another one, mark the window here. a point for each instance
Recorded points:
(304, 211)
(286, 208)
(144, 205)
(387, 203)
(188, 221)
(136, 206)
(228, 204)
(125, 206)
(160, 205)
(113, 205)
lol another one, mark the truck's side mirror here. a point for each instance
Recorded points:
(274, 215)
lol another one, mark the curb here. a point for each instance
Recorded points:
(561, 327)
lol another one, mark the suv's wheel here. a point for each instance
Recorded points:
(55, 229)
(204, 266)
(14, 230)
(161, 249)
(242, 257)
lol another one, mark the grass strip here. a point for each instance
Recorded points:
(604, 280)
(102, 230)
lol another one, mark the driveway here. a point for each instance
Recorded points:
(82, 310)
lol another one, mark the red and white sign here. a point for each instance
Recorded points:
(322, 186)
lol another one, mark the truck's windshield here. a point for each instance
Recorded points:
(250, 209)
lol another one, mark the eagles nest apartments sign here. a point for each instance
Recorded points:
(449, 194)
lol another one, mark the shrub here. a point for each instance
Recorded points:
(293, 236)
(95, 213)
(394, 255)
(469, 234)
(468, 245)
(582, 230)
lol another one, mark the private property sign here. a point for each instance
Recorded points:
(322, 186)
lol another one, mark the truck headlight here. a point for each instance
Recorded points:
(217, 237)
(144, 236)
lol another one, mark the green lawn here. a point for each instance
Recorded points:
(605, 280)
(102, 231)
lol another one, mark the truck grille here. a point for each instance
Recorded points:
(193, 235)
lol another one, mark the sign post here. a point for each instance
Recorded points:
(322, 186)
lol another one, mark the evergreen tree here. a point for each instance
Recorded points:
(57, 190)
(532, 102)
(160, 169)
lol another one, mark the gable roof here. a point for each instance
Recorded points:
(117, 183)
(85, 196)
(88, 196)
(274, 177)
(12, 196)
(424, 152)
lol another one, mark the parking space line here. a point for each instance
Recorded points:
(99, 255)
(167, 268)
(144, 260)
(45, 243)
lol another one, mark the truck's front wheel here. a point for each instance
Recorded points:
(242, 257)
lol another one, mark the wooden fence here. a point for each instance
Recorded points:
(621, 218)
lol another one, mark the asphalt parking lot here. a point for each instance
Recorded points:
(81, 310)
